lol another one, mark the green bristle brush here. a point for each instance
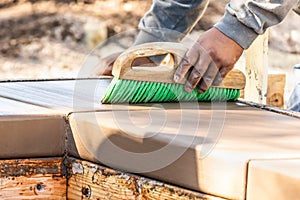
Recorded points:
(144, 84)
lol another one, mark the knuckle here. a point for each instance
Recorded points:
(207, 81)
(218, 62)
(217, 81)
(208, 77)
(196, 74)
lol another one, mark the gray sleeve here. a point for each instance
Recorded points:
(170, 20)
(244, 20)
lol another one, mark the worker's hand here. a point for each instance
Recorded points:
(106, 64)
(208, 61)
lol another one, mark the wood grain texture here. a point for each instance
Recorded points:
(256, 70)
(275, 91)
(162, 73)
(32, 179)
(235, 79)
(92, 181)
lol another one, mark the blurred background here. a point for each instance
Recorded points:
(42, 39)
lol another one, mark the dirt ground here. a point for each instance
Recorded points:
(52, 38)
(48, 39)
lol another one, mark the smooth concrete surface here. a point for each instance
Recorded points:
(198, 146)
(11, 107)
(32, 114)
(28, 136)
(63, 96)
(28, 130)
(274, 179)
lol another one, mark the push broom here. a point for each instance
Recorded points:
(155, 84)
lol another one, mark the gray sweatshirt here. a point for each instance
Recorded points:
(243, 21)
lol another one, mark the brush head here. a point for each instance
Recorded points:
(133, 91)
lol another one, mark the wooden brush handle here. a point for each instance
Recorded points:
(163, 73)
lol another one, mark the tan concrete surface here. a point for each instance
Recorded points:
(32, 114)
(195, 145)
(28, 130)
(198, 147)
(11, 107)
(29, 136)
(274, 179)
(63, 96)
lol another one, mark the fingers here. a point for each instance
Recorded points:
(197, 61)
(106, 72)
(191, 57)
(182, 70)
(106, 64)
(143, 61)
(198, 72)
(208, 78)
(204, 72)
(218, 79)
(212, 52)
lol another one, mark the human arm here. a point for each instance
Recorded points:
(241, 24)
(170, 21)
(244, 20)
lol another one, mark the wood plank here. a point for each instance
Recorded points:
(275, 91)
(32, 179)
(257, 70)
(92, 181)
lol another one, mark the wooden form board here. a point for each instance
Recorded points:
(257, 70)
(32, 179)
(70, 178)
(93, 181)
(262, 87)
(275, 90)
(53, 178)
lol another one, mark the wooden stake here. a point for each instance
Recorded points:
(256, 70)
(275, 91)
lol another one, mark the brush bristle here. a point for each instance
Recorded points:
(133, 91)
